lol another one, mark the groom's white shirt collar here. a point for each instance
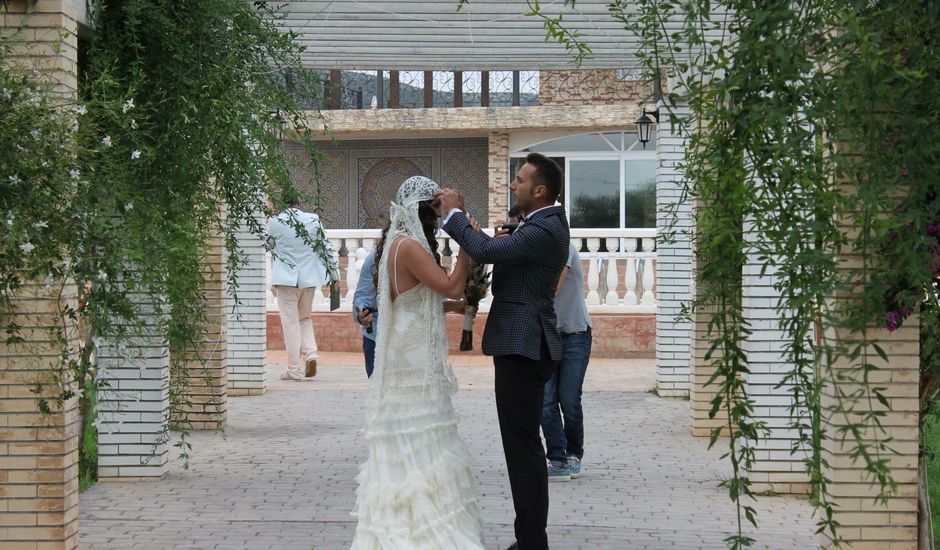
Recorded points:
(527, 216)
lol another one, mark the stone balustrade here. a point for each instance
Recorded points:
(619, 267)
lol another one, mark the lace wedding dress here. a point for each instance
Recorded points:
(416, 491)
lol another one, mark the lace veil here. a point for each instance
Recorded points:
(404, 221)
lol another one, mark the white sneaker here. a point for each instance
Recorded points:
(291, 374)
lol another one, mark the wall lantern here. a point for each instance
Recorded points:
(279, 122)
(644, 126)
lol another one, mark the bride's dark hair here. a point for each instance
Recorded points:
(428, 222)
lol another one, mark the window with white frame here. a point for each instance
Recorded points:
(610, 179)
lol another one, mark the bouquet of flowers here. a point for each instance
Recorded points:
(478, 282)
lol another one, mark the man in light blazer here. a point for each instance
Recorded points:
(521, 332)
(299, 246)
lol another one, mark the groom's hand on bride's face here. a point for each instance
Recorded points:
(446, 200)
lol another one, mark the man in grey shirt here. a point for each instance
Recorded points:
(564, 428)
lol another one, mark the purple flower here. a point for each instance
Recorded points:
(892, 322)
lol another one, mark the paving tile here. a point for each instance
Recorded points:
(283, 474)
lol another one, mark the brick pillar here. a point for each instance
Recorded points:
(50, 39)
(205, 406)
(700, 394)
(246, 332)
(134, 408)
(776, 468)
(673, 264)
(38, 453)
(499, 177)
(865, 523)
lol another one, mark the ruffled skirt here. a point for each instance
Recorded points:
(416, 489)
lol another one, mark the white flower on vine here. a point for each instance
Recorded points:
(135, 154)
(14, 179)
(7, 94)
(106, 141)
(102, 276)
(133, 124)
(81, 110)
(34, 133)
(128, 105)
(129, 206)
(75, 174)
(41, 224)
(27, 247)
(74, 124)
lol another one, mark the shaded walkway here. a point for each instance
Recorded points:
(282, 476)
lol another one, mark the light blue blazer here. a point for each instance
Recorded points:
(296, 263)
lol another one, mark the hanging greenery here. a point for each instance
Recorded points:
(814, 137)
(172, 142)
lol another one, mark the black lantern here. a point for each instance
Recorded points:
(279, 122)
(644, 126)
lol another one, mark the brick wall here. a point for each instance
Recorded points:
(499, 178)
(590, 87)
(628, 336)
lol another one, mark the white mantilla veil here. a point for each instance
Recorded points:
(405, 222)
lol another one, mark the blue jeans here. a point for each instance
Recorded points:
(368, 349)
(563, 391)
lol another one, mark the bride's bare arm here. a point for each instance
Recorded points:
(416, 261)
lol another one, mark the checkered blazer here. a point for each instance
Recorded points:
(526, 268)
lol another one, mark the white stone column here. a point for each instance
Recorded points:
(674, 262)
(247, 321)
(134, 406)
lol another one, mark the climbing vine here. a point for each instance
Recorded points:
(814, 141)
(172, 144)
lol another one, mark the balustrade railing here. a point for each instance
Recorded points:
(353, 89)
(619, 267)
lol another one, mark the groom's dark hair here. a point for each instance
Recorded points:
(547, 172)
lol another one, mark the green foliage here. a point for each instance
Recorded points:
(172, 142)
(931, 440)
(813, 137)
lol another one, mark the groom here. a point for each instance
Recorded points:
(521, 332)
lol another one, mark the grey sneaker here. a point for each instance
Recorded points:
(574, 467)
(558, 471)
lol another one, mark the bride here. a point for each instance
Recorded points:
(416, 490)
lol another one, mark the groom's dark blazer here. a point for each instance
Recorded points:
(526, 268)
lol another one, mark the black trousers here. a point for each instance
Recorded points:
(520, 388)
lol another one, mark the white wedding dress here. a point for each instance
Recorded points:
(416, 490)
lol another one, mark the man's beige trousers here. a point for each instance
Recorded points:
(294, 306)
